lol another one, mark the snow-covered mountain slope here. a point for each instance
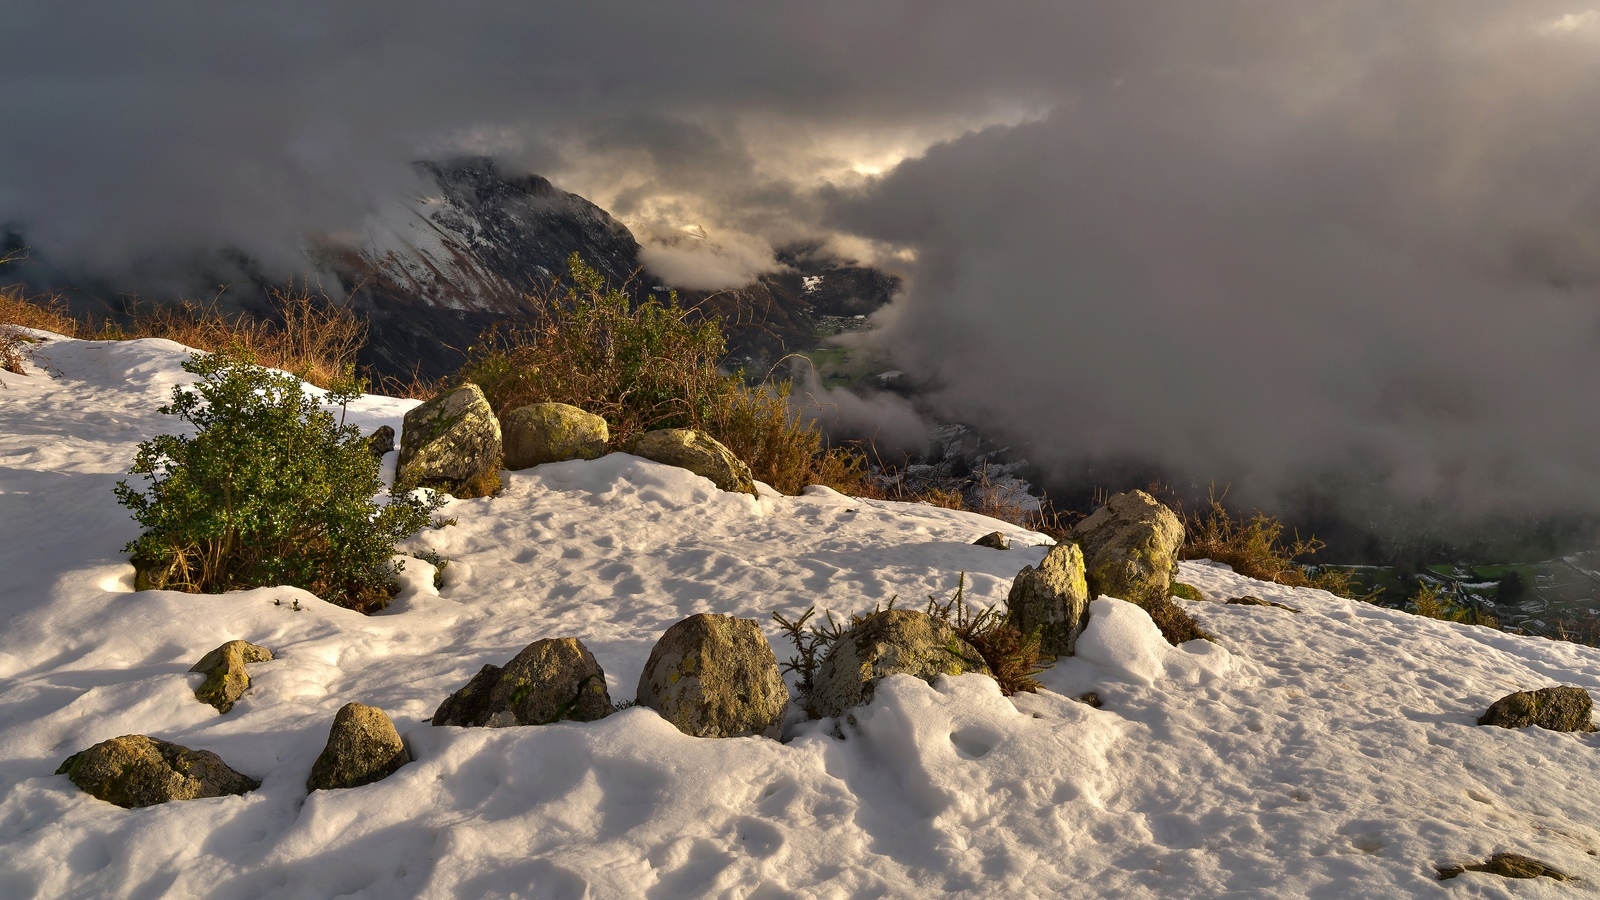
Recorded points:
(1329, 753)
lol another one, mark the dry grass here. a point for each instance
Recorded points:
(1255, 548)
(652, 364)
(19, 311)
(1431, 602)
(311, 336)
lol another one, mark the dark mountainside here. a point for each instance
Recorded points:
(456, 263)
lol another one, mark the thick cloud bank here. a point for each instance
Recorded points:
(1242, 240)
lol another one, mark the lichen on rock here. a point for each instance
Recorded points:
(224, 668)
(715, 676)
(549, 681)
(699, 453)
(889, 642)
(136, 770)
(1054, 598)
(1130, 548)
(451, 443)
(363, 747)
(551, 432)
(1562, 708)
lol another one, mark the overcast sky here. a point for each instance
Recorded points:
(1244, 240)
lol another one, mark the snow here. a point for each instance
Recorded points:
(1327, 753)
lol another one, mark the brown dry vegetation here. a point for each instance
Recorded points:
(652, 364)
(313, 337)
(1255, 547)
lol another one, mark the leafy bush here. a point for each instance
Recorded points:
(651, 364)
(269, 490)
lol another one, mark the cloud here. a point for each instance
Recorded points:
(1258, 239)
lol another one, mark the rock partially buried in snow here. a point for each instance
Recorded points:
(135, 770)
(1053, 598)
(226, 679)
(550, 680)
(715, 676)
(994, 540)
(362, 747)
(1556, 708)
(1130, 548)
(551, 432)
(890, 642)
(452, 443)
(699, 453)
(381, 440)
(1506, 865)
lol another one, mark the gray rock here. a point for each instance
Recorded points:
(362, 747)
(1130, 548)
(994, 540)
(381, 440)
(699, 453)
(1506, 865)
(891, 642)
(226, 679)
(1053, 598)
(135, 770)
(715, 676)
(550, 680)
(1248, 600)
(551, 432)
(1556, 708)
(452, 443)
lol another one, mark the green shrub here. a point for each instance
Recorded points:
(270, 490)
(652, 364)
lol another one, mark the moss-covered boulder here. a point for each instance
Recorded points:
(1053, 598)
(452, 444)
(135, 770)
(715, 676)
(363, 747)
(224, 668)
(1556, 708)
(550, 680)
(699, 453)
(1130, 548)
(891, 642)
(550, 432)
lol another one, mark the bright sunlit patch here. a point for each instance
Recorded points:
(1584, 24)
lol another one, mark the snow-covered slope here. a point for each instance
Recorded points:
(1330, 753)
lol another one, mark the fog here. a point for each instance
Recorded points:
(1251, 242)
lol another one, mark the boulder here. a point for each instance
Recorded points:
(1248, 600)
(550, 432)
(226, 679)
(699, 453)
(1555, 708)
(1130, 548)
(1053, 598)
(890, 642)
(135, 770)
(715, 676)
(362, 747)
(550, 680)
(1506, 865)
(381, 440)
(452, 443)
(994, 540)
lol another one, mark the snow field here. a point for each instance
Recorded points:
(1330, 753)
